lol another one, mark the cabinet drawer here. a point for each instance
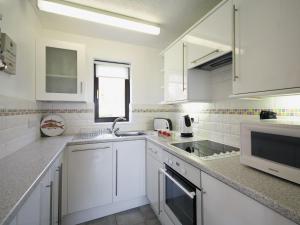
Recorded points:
(155, 151)
(188, 171)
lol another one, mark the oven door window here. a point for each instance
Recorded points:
(181, 205)
(277, 148)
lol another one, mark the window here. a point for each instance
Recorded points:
(111, 90)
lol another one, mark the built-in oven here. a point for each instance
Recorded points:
(182, 200)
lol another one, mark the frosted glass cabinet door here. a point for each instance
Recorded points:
(60, 69)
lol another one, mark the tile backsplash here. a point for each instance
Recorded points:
(218, 121)
(79, 117)
(19, 124)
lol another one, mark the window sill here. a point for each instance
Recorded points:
(110, 123)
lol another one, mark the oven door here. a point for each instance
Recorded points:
(182, 200)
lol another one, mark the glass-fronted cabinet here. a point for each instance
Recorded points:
(60, 70)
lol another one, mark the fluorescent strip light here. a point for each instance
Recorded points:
(97, 17)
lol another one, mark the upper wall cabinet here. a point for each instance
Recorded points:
(175, 73)
(267, 35)
(60, 70)
(211, 38)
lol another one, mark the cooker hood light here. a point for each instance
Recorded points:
(83, 13)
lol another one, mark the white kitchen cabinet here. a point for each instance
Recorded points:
(175, 73)
(29, 214)
(129, 170)
(46, 192)
(60, 71)
(56, 182)
(180, 84)
(50, 187)
(152, 175)
(267, 37)
(222, 205)
(13, 222)
(90, 176)
(212, 37)
(42, 206)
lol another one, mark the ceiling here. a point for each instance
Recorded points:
(173, 16)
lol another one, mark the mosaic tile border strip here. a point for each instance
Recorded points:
(154, 110)
(15, 112)
(19, 112)
(280, 112)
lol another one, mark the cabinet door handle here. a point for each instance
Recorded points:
(90, 149)
(116, 173)
(235, 76)
(59, 216)
(51, 202)
(188, 193)
(202, 57)
(159, 197)
(183, 66)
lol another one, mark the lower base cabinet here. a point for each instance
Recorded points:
(103, 175)
(222, 205)
(29, 213)
(43, 206)
(89, 176)
(152, 182)
(14, 222)
(45, 189)
(129, 170)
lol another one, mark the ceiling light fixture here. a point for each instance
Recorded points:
(98, 16)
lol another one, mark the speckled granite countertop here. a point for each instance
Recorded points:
(280, 195)
(21, 171)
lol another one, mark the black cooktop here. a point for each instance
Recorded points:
(205, 148)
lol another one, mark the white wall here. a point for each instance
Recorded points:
(17, 127)
(145, 64)
(22, 25)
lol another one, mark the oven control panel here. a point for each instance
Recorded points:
(185, 169)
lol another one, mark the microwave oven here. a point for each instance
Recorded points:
(273, 147)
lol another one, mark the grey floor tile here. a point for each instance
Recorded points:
(147, 212)
(143, 215)
(153, 221)
(130, 217)
(108, 220)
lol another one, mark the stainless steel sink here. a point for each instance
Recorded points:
(129, 133)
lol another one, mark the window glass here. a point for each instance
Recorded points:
(111, 97)
(112, 91)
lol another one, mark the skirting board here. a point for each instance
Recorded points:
(98, 212)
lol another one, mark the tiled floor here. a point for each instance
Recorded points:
(138, 216)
